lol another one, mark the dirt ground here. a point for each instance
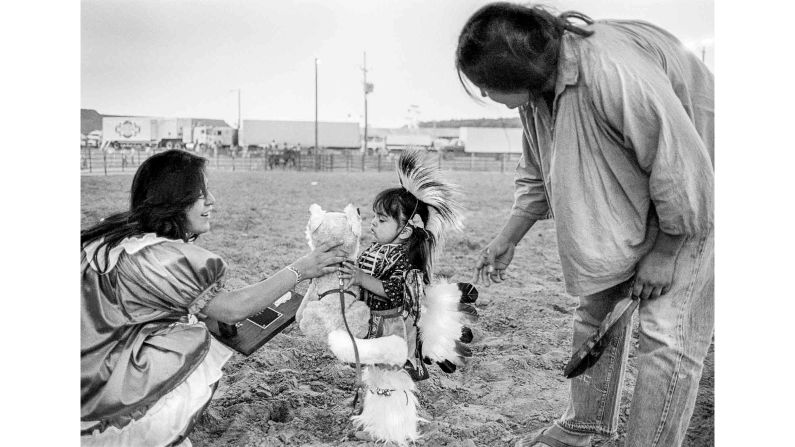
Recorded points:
(293, 392)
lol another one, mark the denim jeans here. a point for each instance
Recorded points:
(675, 333)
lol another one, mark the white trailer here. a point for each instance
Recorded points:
(171, 132)
(491, 140)
(141, 131)
(130, 130)
(333, 135)
(209, 136)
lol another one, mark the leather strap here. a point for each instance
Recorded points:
(342, 293)
(340, 290)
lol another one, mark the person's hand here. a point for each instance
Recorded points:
(654, 275)
(323, 260)
(351, 274)
(493, 260)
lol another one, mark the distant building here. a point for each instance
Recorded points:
(330, 135)
(491, 140)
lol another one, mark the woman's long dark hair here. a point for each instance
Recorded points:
(510, 47)
(401, 205)
(163, 188)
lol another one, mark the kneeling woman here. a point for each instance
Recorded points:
(148, 366)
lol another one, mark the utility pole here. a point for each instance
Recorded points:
(317, 152)
(364, 75)
(238, 117)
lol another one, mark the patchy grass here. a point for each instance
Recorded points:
(293, 392)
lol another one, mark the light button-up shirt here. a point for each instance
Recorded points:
(628, 153)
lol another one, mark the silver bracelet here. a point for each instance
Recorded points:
(298, 277)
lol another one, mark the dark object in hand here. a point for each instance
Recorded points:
(227, 330)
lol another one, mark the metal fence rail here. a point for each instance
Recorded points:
(95, 161)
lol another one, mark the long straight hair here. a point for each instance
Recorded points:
(401, 205)
(163, 188)
(510, 47)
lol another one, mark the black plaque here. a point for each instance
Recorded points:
(250, 334)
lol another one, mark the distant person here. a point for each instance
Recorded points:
(618, 148)
(148, 366)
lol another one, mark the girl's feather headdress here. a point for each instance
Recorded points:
(427, 185)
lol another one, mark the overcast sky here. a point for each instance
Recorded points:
(179, 58)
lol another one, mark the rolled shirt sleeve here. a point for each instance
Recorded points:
(529, 197)
(638, 101)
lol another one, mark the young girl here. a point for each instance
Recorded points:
(409, 224)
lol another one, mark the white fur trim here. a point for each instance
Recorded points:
(393, 417)
(391, 350)
(441, 322)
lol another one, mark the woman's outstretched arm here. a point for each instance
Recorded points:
(233, 306)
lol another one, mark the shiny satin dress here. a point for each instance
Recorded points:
(148, 366)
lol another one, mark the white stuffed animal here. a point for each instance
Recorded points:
(390, 406)
(318, 317)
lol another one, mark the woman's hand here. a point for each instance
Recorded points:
(352, 275)
(321, 261)
(493, 261)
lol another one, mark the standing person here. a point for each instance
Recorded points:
(618, 143)
(394, 274)
(148, 367)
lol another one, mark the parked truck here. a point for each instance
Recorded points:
(330, 135)
(138, 131)
(491, 140)
(401, 141)
(205, 137)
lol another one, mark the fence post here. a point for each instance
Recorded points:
(331, 163)
(89, 159)
(379, 162)
(440, 159)
(472, 161)
(502, 163)
(364, 154)
(105, 161)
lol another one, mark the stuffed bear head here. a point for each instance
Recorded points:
(317, 317)
(345, 227)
